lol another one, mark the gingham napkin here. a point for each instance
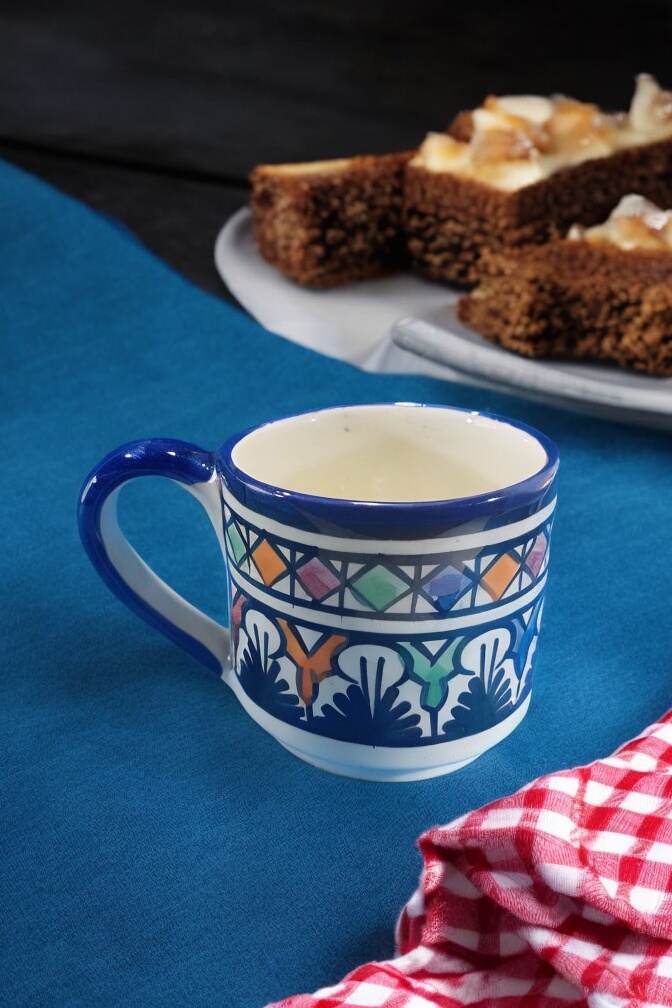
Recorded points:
(558, 896)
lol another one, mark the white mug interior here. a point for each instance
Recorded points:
(385, 453)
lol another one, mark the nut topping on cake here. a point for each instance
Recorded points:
(516, 140)
(501, 135)
(576, 125)
(635, 223)
(651, 107)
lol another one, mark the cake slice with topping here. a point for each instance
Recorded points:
(603, 293)
(521, 169)
(327, 223)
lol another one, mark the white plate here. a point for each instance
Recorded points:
(440, 337)
(403, 324)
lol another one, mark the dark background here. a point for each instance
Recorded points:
(155, 113)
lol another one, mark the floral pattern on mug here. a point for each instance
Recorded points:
(373, 692)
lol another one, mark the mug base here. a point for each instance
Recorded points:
(379, 763)
(378, 775)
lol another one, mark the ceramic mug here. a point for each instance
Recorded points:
(386, 573)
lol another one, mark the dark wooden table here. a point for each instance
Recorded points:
(155, 113)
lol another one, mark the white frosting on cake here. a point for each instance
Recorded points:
(521, 139)
(531, 107)
(636, 223)
(308, 167)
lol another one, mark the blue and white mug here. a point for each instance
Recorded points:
(386, 574)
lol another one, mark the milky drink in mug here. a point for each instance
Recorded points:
(386, 567)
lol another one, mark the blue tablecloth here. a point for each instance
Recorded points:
(157, 848)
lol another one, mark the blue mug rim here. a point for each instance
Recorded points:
(358, 515)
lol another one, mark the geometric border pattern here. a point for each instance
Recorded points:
(358, 583)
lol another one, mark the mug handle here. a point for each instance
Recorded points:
(123, 570)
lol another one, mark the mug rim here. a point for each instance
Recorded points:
(516, 495)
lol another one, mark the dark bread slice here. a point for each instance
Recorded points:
(328, 223)
(578, 300)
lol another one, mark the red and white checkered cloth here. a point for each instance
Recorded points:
(557, 896)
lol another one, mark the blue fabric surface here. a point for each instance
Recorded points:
(158, 849)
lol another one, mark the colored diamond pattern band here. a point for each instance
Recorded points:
(357, 582)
